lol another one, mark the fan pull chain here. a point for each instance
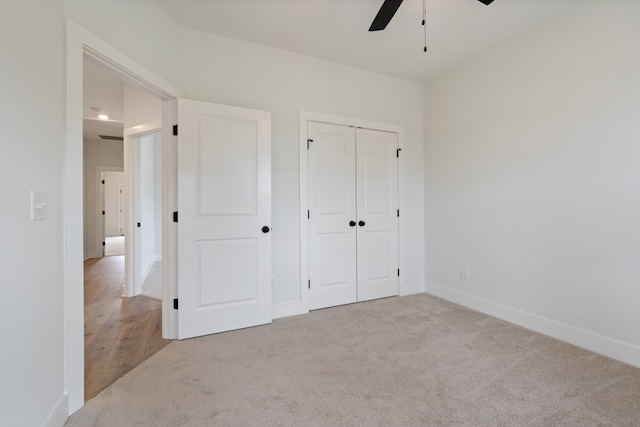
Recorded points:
(424, 22)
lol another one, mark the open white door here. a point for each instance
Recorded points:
(224, 205)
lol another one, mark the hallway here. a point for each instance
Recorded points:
(119, 333)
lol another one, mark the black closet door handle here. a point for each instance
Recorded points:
(361, 223)
(265, 229)
(352, 223)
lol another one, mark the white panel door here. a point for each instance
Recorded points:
(332, 208)
(224, 204)
(377, 205)
(113, 180)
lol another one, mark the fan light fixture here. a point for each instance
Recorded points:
(389, 8)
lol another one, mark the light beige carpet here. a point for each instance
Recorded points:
(410, 361)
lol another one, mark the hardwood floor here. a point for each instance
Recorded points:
(119, 333)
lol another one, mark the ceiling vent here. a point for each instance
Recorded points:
(112, 138)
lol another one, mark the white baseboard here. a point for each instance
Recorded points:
(295, 308)
(93, 254)
(410, 288)
(59, 414)
(286, 310)
(615, 349)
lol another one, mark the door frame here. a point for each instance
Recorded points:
(305, 117)
(121, 208)
(133, 268)
(81, 42)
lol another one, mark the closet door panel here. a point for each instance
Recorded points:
(332, 205)
(377, 208)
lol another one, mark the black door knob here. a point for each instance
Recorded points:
(361, 223)
(265, 229)
(352, 223)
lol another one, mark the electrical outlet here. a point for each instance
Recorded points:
(464, 273)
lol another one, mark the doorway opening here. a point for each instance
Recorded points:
(112, 211)
(123, 326)
(82, 44)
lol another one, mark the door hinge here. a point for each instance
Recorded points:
(103, 212)
(398, 272)
(103, 181)
(309, 141)
(175, 303)
(308, 214)
(104, 243)
(398, 152)
(398, 213)
(309, 283)
(138, 225)
(175, 216)
(175, 129)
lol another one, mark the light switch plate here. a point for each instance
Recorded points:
(38, 205)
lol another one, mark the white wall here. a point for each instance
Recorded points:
(228, 71)
(32, 119)
(140, 29)
(532, 179)
(140, 107)
(157, 196)
(151, 229)
(102, 153)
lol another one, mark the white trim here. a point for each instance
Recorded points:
(304, 117)
(411, 288)
(79, 42)
(169, 228)
(286, 310)
(59, 414)
(618, 350)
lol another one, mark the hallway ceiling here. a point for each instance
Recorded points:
(337, 30)
(101, 90)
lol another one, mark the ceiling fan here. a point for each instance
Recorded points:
(389, 8)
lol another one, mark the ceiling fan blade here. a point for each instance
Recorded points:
(386, 12)
(487, 2)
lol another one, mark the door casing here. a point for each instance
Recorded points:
(81, 43)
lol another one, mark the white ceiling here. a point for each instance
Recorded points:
(337, 30)
(101, 90)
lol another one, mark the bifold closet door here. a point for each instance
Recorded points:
(353, 223)
(332, 215)
(377, 209)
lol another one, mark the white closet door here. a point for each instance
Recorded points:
(377, 203)
(224, 201)
(332, 206)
